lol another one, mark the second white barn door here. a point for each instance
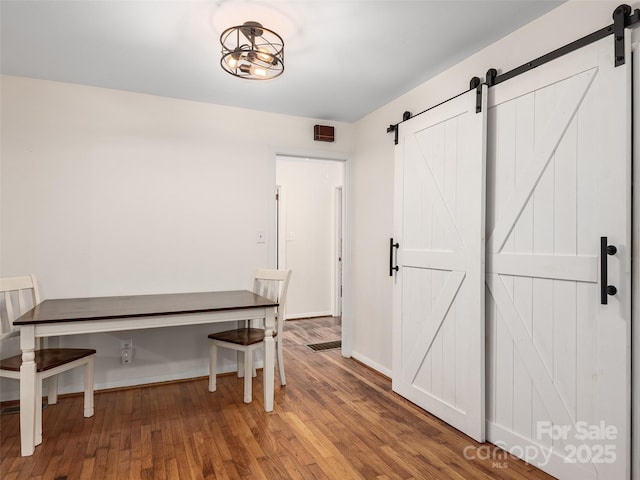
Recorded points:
(438, 345)
(558, 179)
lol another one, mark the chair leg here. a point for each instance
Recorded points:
(241, 367)
(38, 419)
(213, 360)
(248, 377)
(280, 362)
(52, 388)
(240, 363)
(88, 387)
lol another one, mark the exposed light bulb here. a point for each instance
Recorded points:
(232, 62)
(264, 55)
(259, 71)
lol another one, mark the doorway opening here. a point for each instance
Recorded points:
(309, 234)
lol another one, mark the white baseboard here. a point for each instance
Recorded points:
(370, 363)
(139, 381)
(296, 316)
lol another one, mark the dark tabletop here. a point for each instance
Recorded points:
(103, 308)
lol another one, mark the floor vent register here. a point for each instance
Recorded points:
(321, 347)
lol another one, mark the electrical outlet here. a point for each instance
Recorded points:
(126, 356)
(126, 351)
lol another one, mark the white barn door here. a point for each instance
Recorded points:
(558, 179)
(438, 329)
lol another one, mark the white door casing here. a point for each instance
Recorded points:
(438, 324)
(558, 178)
(337, 290)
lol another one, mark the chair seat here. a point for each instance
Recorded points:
(48, 358)
(240, 336)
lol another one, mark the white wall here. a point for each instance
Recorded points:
(105, 192)
(372, 163)
(308, 217)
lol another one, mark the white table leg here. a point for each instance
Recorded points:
(269, 358)
(52, 382)
(27, 390)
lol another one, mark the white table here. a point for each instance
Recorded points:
(74, 316)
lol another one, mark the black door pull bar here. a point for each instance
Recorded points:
(391, 247)
(605, 289)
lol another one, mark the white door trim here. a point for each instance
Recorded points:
(337, 252)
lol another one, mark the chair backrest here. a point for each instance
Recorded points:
(19, 294)
(274, 284)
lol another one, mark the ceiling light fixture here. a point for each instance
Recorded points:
(252, 51)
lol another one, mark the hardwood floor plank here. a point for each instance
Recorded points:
(335, 419)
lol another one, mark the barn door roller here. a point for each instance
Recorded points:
(620, 15)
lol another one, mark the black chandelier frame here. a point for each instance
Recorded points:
(252, 52)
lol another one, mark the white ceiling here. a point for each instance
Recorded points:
(343, 58)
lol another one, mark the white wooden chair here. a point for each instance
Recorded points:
(49, 361)
(272, 284)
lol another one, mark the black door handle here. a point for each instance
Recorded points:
(391, 247)
(605, 289)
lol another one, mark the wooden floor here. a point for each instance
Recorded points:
(335, 419)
